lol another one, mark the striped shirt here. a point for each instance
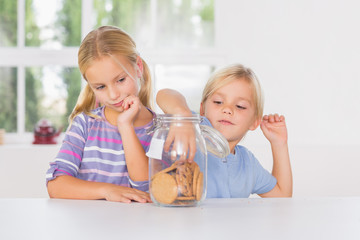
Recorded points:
(92, 150)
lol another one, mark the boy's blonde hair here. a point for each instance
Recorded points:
(108, 41)
(231, 73)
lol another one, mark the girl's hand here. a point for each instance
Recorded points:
(131, 106)
(115, 193)
(274, 128)
(182, 137)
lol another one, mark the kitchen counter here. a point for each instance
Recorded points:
(253, 218)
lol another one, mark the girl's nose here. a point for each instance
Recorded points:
(113, 93)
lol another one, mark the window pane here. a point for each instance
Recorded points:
(188, 80)
(51, 93)
(185, 23)
(8, 103)
(53, 23)
(8, 23)
(133, 16)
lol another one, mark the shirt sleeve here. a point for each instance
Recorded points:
(205, 121)
(264, 181)
(140, 185)
(69, 157)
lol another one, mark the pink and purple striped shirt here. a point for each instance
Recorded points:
(92, 150)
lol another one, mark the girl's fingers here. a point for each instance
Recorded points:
(135, 195)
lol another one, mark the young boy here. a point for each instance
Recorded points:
(232, 103)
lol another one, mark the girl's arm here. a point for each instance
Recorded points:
(136, 161)
(274, 129)
(69, 187)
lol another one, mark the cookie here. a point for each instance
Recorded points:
(164, 188)
(184, 179)
(199, 186)
(185, 198)
(167, 170)
(195, 177)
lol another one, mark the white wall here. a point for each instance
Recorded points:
(23, 168)
(307, 56)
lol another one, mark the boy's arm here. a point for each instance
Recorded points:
(172, 102)
(274, 129)
(183, 137)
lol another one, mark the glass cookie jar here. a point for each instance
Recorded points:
(175, 181)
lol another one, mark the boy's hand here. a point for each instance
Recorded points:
(274, 128)
(183, 138)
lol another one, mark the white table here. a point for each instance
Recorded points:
(253, 218)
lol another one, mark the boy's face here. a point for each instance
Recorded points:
(231, 110)
(111, 83)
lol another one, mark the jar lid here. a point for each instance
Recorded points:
(216, 143)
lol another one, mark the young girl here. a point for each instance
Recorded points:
(103, 153)
(232, 103)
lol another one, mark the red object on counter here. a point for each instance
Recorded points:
(45, 133)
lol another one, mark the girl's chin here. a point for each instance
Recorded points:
(116, 109)
(120, 109)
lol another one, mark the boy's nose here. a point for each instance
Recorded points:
(227, 110)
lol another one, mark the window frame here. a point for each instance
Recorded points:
(22, 57)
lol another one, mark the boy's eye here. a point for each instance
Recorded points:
(240, 107)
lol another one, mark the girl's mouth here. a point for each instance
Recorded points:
(119, 104)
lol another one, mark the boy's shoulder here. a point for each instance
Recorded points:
(244, 152)
(205, 121)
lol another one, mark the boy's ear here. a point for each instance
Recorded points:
(140, 67)
(255, 124)
(202, 110)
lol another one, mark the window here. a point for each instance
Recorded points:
(40, 77)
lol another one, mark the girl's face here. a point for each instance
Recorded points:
(231, 110)
(111, 83)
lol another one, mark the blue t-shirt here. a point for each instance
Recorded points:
(237, 175)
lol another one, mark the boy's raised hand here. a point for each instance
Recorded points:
(274, 128)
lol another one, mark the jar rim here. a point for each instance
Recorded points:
(178, 117)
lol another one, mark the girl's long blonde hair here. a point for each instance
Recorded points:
(231, 73)
(108, 41)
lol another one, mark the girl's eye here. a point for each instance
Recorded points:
(240, 107)
(121, 80)
(217, 102)
(100, 87)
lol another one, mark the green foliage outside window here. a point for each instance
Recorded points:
(175, 27)
(8, 23)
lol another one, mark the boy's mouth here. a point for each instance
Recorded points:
(226, 122)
